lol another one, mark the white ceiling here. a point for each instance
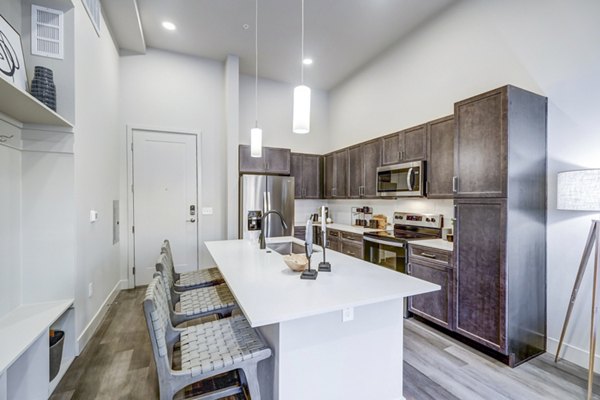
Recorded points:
(341, 35)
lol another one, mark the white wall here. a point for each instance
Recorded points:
(275, 101)
(10, 227)
(96, 166)
(549, 47)
(172, 91)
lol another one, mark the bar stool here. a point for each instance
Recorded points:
(207, 349)
(193, 279)
(195, 303)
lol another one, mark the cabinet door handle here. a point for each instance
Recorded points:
(409, 268)
(428, 255)
(455, 184)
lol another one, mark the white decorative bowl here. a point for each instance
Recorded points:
(296, 262)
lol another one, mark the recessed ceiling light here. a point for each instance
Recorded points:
(307, 61)
(169, 26)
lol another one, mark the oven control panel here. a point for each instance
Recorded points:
(416, 219)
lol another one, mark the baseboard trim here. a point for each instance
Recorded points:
(91, 327)
(573, 354)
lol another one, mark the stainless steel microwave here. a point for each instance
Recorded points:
(401, 180)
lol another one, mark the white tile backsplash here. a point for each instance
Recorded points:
(340, 210)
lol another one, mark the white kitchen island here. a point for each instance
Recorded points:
(316, 355)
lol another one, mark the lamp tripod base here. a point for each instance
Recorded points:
(309, 274)
(324, 266)
(592, 241)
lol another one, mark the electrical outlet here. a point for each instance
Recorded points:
(347, 314)
(90, 289)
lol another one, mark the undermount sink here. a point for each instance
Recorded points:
(285, 248)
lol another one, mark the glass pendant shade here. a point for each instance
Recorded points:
(256, 142)
(301, 117)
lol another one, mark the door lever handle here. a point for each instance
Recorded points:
(191, 220)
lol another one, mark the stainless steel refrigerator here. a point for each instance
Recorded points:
(262, 193)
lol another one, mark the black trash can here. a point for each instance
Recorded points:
(57, 339)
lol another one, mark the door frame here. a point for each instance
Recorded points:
(129, 189)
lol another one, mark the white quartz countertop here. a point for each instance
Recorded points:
(439, 244)
(269, 292)
(348, 228)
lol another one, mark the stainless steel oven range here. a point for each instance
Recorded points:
(388, 248)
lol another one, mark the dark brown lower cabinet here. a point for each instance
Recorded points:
(334, 244)
(481, 271)
(345, 242)
(352, 249)
(300, 232)
(433, 266)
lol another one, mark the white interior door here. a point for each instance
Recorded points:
(165, 188)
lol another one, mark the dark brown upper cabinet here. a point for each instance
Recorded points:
(390, 153)
(273, 161)
(356, 171)
(307, 170)
(440, 158)
(407, 145)
(336, 174)
(363, 160)
(328, 182)
(481, 142)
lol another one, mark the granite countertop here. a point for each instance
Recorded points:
(439, 244)
(347, 228)
(268, 292)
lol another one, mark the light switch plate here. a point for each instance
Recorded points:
(347, 314)
(207, 210)
(93, 216)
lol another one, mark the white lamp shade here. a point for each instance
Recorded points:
(301, 118)
(256, 142)
(579, 190)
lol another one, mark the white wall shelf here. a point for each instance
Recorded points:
(24, 349)
(26, 109)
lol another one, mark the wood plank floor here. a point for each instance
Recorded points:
(118, 364)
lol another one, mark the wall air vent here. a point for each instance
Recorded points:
(94, 11)
(47, 32)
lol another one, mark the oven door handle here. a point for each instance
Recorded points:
(409, 179)
(393, 244)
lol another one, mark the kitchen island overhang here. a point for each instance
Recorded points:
(316, 354)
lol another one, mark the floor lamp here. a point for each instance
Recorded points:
(580, 190)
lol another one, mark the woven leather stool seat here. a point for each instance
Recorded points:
(204, 300)
(199, 278)
(219, 344)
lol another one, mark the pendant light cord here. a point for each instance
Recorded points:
(256, 64)
(302, 50)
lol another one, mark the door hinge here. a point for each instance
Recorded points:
(134, 270)
(133, 229)
(131, 146)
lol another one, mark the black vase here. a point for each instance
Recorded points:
(43, 88)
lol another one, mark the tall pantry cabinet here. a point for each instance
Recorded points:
(499, 189)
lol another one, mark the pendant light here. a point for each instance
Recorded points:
(301, 116)
(256, 132)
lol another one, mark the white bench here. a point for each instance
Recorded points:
(24, 348)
